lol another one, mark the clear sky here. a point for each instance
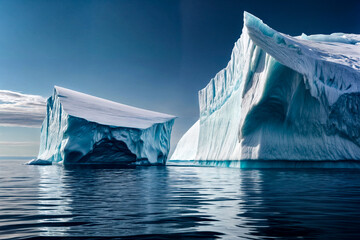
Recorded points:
(150, 54)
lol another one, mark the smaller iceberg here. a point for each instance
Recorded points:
(83, 129)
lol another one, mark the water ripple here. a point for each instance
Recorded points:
(52, 202)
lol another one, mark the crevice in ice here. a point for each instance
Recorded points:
(106, 151)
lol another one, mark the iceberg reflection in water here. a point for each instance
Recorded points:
(178, 201)
(53, 203)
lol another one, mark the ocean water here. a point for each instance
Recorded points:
(177, 202)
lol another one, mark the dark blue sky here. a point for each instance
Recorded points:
(150, 54)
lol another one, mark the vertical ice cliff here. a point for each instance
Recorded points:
(281, 98)
(83, 129)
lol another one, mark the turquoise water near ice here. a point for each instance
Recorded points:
(185, 202)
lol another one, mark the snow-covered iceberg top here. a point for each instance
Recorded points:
(281, 98)
(319, 57)
(332, 62)
(83, 129)
(107, 112)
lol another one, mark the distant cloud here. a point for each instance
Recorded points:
(17, 144)
(21, 110)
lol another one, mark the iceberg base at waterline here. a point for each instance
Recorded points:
(268, 164)
(83, 129)
(260, 164)
(37, 161)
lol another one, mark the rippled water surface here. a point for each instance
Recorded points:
(178, 202)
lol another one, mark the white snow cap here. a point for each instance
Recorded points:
(107, 112)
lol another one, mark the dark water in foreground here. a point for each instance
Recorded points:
(178, 202)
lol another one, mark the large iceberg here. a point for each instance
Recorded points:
(83, 129)
(280, 98)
